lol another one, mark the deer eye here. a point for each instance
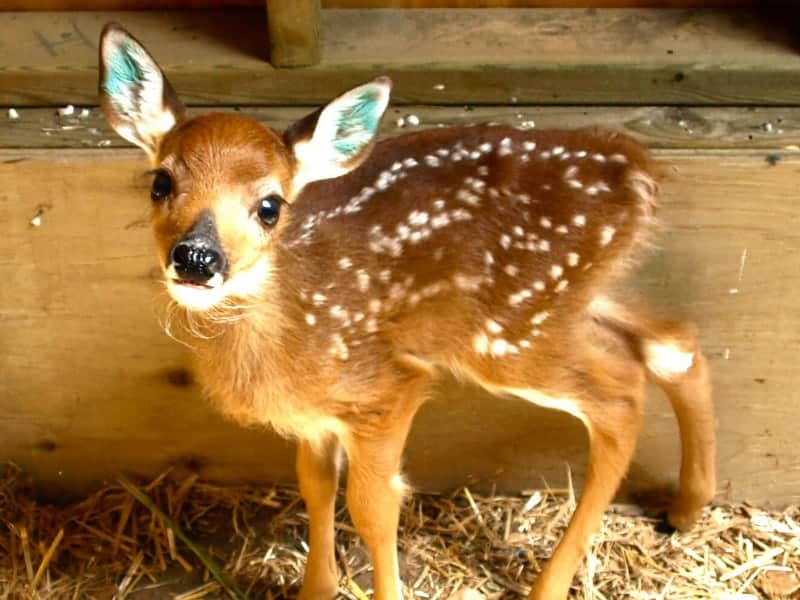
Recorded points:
(269, 209)
(162, 186)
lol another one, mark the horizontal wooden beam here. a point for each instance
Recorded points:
(90, 384)
(709, 128)
(195, 4)
(547, 56)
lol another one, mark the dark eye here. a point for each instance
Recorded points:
(269, 209)
(162, 186)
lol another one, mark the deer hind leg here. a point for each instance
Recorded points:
(318, 477)
(674, 361)
(608, 394)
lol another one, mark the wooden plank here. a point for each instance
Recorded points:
(767, 128)
(547, 56)
(167, 4)
(293, 32)
(90, 385)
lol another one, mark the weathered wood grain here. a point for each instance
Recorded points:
(768, 128)
(90, 385)
(163, 4)
(293, 32)
(546, 56)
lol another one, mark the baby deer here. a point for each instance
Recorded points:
(325, 280)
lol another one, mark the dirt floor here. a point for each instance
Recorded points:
(190, 540)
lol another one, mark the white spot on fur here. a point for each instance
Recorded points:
(488, 258)
(319, 299)
(571, 171)
(557, 150)
(538, 285)
(432, 161)
(467, 197)
(311, 319)
(374, 305)
(579, 220)
(573, 258)
(363, 280)
(460, 214)
(439, 221)
(561, 286)
(562, 230)
(606, 235)
(540, 317)
(529, 146)
(556, 271)
(339, 348)
(493, 326)
(417, 218)
(518, 231)
(438, 204)
(519, 297)
(544, 245)
(666, 360)
(511, 270)
(345, 263)
(481, 343)
(618, 158)
(499, 347)
(546, 222)
(505, 241)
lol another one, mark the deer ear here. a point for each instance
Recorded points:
(136, 98)
(338, 138)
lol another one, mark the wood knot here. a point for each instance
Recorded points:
(180, 377)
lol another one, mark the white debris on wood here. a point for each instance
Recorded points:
(439, 87)
(401, 122)
(36, 221)
(412, 120)
(66, 111)
(13, 114)
(103, 143)
(85, 113)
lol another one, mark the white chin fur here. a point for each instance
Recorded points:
(242, 285)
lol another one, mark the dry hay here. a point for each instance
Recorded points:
(111, 546)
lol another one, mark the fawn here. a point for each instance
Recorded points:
(325, 279)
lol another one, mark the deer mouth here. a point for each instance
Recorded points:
(193, 284)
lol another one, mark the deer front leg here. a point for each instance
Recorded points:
(318, 474)
(374, 492)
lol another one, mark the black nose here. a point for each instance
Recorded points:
(196, 262)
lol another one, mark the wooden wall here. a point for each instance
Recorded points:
(90, 385)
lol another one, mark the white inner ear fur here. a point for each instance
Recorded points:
(142, 117)
(323, 156)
